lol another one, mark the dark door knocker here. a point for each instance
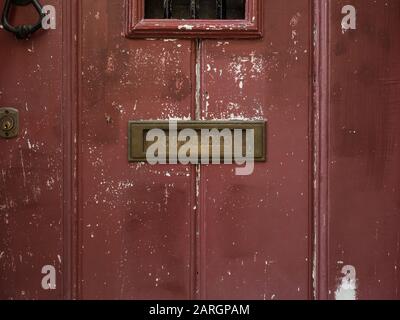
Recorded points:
(26, 30)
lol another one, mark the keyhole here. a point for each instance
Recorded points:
(7, 124)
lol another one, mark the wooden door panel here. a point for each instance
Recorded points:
(363, 162)
(257, 229)
(136, 220)
(32, 169)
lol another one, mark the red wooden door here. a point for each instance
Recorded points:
(327, 197)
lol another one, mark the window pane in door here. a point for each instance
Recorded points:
(195, 9)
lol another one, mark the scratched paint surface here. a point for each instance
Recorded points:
(169, 231)
(31, 166)
(256, 238)
(136, 219)
(177, 232)
(364, 171)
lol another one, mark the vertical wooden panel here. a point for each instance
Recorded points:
(256, 230)
(364, 154)
(136, 219)
(31, 183)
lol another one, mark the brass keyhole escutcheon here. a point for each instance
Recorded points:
(9, 123)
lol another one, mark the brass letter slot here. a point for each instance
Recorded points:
(224, 136)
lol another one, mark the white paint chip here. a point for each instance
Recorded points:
(347, 290)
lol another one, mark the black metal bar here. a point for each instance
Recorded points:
(194, 6)
(219, 9)
(167, 9)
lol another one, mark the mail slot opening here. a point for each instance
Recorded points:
(223, 141)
